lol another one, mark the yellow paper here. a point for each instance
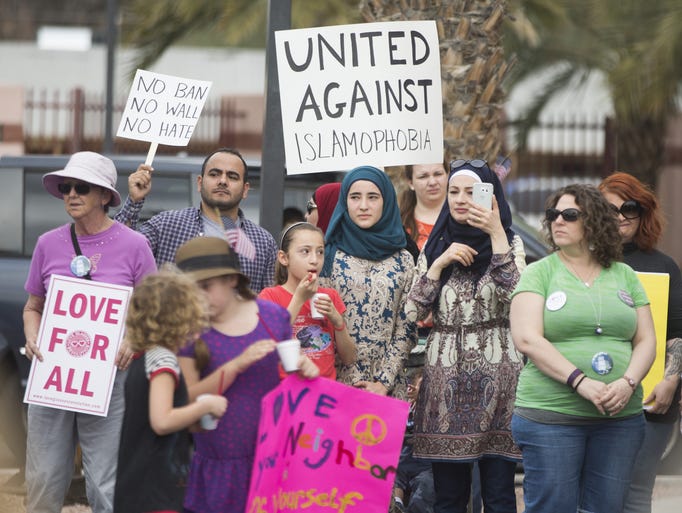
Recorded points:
(657, 286)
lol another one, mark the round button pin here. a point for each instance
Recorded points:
(556, 301)
(80, 266)
(602, 363)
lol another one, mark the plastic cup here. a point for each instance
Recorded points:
(289, 353)
(313, 311)
(208, 422)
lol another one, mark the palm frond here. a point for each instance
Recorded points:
(530, 117)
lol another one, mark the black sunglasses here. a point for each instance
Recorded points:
(630, 209)
(81, 188)
(476, 163)
(310, 206)
(570, 215)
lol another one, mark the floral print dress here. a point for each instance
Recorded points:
(375, 293)
(466, 399)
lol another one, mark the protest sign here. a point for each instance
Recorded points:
(360, 94)
(80, 332)
(324, 446)
(162, 109)
(657, 287)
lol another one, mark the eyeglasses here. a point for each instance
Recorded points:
(630, 209)
(81, 188)
(310, 206)
(476, 163)
(570, 215)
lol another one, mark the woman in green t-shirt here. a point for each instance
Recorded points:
(582, 319)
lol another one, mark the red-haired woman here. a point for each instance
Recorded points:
(641, 225)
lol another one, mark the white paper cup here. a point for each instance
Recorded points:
(208, 421)
(313, 311)
(289, 353)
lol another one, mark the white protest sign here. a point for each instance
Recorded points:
(360, 94)
(80, 332)
(163, 109)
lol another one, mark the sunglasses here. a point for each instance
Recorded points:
(630, 209)
(310, 206)
(570, 215)
(476, 163)
(81, 188)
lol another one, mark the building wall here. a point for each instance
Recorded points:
(233, 71)
(11, 120)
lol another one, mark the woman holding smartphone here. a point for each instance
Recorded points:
(465, 277)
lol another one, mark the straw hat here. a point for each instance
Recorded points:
(89, 167)
(208, 257)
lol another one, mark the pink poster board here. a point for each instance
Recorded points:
(324, 446)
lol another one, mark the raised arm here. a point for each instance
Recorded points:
(139, 185)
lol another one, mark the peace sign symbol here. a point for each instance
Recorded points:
(362, 429)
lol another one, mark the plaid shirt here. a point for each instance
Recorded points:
(168, 230)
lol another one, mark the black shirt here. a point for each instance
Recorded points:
(657, 262)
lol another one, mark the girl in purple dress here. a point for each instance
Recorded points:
(237, 358)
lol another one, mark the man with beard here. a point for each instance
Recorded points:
(223, 184)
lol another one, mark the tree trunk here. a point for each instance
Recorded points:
(640, 146)
(472, 67)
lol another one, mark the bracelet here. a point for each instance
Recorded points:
(631, 382)
(341, 328)
(575, 388)
(571, 378)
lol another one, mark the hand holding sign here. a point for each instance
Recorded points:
(140, 183)
(80, 333)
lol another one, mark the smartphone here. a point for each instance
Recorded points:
(483, 194)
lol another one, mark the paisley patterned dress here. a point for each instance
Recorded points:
(375, 293)
(466, 399)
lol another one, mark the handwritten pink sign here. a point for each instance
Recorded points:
(324, 446)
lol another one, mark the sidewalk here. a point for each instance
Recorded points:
(667, 497)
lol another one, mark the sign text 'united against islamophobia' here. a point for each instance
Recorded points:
(360, 94)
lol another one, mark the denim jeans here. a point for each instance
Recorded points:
(52, 438)
(415, 478)
(638, 498)
(583, 468)
(476, 504)
(452, 482)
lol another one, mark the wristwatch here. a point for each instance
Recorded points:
(631, 382)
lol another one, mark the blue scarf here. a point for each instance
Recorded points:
(447, 230)
(375, 243)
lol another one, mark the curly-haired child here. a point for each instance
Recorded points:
(167, 310)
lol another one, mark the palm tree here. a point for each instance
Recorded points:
(473, 67)
(154, 25)
(636, 46)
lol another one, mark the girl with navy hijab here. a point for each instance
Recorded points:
(367, 263)
(465, 276)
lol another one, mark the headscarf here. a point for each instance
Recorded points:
(375, 243)
(447, 230)
(326, 197)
